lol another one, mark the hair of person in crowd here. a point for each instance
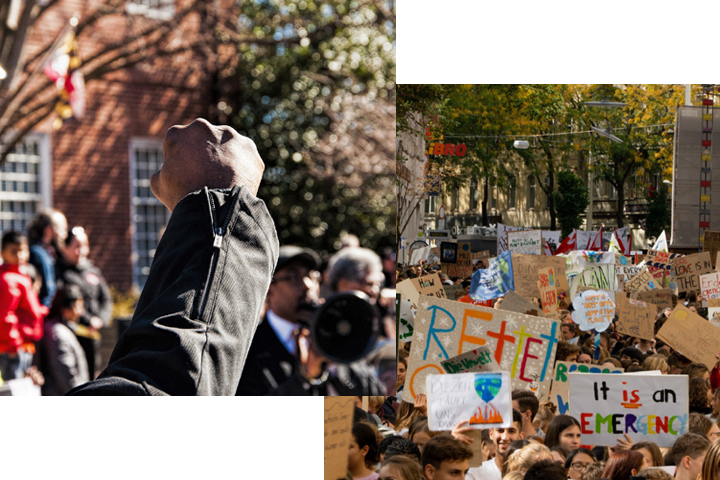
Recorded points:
(566, 352)
(546, 413)
(677, 362)
(366, 438)
(560, 454)
(656, 362)
(711, 465)
(64, 302)
(400, 467)
(634, 368)
(402, 360)
(688, 445)
(546, 470)
(38, 224)
(698, 393)
(653, 473)
(536, 439)
(623, 464)
(487, 447)
(654, 457)
(612, 360)
(527, 401)
(443, 448)
(13, 238)
(516, 475)
(514, 446)
(523, 458)
(406, 415)
(401, 446)
(558, 425)
(594, 471)
(696, 370)
(575, 465)
(700, 424)
(420, 432)
(716, 405)
(633, 354)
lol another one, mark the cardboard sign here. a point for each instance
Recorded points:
(660, 259)
(687, 271)
(691, 335)
(338, 435)
(711, 244)
(477, 360)
(412, 288)
(463, 267)
(522, 345)
(484, 255)
(525, 272)
(649, 408)
(453, 292)
(548, 292)
(641, 282)
(594, 310)
(658, 275)
(560, 383)
(526, 241)
(662, 297)
(482, 398)
(512, 302)
(635, 318)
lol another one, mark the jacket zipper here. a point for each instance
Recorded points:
(218, 234)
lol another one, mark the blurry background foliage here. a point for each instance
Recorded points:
(316, 92)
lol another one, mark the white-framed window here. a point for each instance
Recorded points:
(25, 186)
(157, 9)
(431, 205)
(531, 192)
(149, 216)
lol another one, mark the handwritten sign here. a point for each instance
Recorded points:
(691, 335)
(660, 259)
(687, 271)
(525, 272)
(338, 435)
(412, 288)
(662, 297)
(477, 360)
(512, 302)
(560, 383)
(635, 318)
(406, 322)
(526, 241)
(649, 408)
(463, 266)
(453, 292)
(641, 282)
(548, 292)
(522, 345)
(594, 310)
(482, 398)
(711, 244)
(502, 236)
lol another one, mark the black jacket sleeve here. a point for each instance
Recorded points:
(197, 314)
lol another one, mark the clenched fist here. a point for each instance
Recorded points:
(205, 155)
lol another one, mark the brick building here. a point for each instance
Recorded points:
(96, 170)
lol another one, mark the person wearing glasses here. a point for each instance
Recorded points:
(272, 356)
(577, 461)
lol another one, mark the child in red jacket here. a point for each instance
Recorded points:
(21, 314)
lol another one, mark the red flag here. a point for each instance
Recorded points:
(569, 244)
(596, 244)
(63, 68)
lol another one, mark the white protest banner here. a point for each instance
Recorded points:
(594, 309)
(526, 241)
(649, 408)
(502, 236)
(559, 389)
(406, 321)
(477, 360)
(710, 290)
(338, 435)
(523, 345)
(482, 398)
(419, 255)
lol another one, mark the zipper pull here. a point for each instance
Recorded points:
(219, 233)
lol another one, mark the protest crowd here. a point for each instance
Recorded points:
(54, 302)
(583, 363)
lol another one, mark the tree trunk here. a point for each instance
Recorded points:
(486, 189)
(620, 205)
(551, 202)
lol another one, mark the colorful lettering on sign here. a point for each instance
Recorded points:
(449, 149)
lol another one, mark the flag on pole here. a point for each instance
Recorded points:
(63, 68)
(596, 244)
(661, 243)
(620, 242)
(569, 244)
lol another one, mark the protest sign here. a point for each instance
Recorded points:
(550, 241)
(525, 272)
(477, 360)
(412, 288)
(448, 252)
(710, 290)
(523, 345)
(711, 244)
(559, 390)
(662, 297)
(714, 311)
(649, 408)
(658, 275)
(484, 255)
(641, 282)
(548, 292)
(406, 321)
(660, 259)
(463, 266)
(502, 236)
(453, 292)
(338, 435)
(594, 310)
(482, 398)
(512, 302)
(494, 281)
(687, 271)
(419, 256)
(635, 318)
(691, 335)
(525, 241)
(601, 277)
(587, 258)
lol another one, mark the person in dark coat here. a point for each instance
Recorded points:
(196, 317)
